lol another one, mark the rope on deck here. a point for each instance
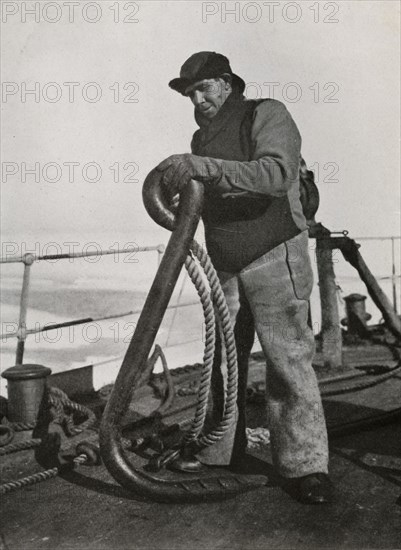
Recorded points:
(6, 435)
(379, 379)
(87, 453)
(41, 476)
(65, 409)
(20, 446)
(62, 411)
(29, 480)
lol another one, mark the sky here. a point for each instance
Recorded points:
(76, 151)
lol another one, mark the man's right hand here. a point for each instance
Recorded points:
(178, 170)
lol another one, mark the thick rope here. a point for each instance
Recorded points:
(210, 341)
(361, 385)
(87, 455)
(230, 406)
(21, 426)
(213, 302)
(20, 446)
(29, 480)
(223, 314)
(63, 409)
(6, 435)
(40, 476)
(62, 403)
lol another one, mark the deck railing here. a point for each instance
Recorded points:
(28, 260)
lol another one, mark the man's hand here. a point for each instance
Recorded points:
(178, 170)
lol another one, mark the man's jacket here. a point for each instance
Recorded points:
(255, 205)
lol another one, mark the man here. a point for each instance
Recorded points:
(247, 154)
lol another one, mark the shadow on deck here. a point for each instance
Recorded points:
(85, 509)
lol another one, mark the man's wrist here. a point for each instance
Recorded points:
(213, 171)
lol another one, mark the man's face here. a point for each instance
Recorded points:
(209, 95)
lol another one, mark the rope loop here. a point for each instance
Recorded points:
(214, 306)
(65, 412)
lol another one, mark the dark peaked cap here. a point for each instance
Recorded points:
(204, 65)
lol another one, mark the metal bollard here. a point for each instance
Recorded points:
(356, 315)
(26, 386)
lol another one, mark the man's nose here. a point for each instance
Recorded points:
(198, 97)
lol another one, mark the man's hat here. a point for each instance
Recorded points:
(203, 65)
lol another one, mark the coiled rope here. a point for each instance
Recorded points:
(216, 297)
(65, 409)
(208, 355)
(214, 305)
(6, 435)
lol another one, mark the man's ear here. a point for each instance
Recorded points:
(228, 80)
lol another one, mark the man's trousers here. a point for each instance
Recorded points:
(272, 294)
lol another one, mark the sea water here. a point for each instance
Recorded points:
(77, 288)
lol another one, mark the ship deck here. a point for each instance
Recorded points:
(87, 509)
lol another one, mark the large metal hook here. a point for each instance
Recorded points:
(183, 488)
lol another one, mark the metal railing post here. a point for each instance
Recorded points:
(331, 328)
(393, 275)
(160, 251)
(28, 260)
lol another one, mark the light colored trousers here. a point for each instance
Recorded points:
(274, 290)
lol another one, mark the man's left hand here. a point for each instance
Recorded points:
(178, 170)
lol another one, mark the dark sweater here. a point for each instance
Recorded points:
(255, 205)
